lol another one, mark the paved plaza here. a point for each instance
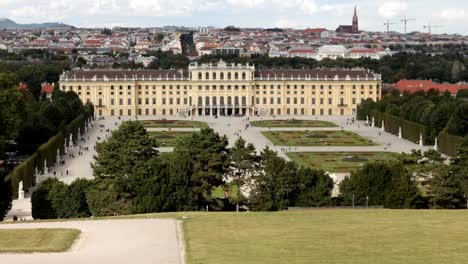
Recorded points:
(79, 166)
(110, 242)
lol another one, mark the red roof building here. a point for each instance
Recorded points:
(425, 85)
(47, 89)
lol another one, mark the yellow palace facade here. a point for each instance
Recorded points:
(223, 89)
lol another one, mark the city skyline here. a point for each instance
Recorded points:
(243, 13)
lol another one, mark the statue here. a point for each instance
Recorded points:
(70, 142)
(421, 143)
(46, 170)
(400, 134)
(383, 126)
(436, 147)
(20, 191)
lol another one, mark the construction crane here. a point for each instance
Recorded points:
(388, 25)
(430, 27)
(406, 20)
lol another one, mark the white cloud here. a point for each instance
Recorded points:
(392, 8)
(309, 7)
(452, 13)
(245, 3)
(337, 9)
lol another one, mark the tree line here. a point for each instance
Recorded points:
(437, 111)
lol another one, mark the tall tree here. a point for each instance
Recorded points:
(209, 162)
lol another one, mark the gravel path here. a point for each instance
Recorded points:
(110, 242)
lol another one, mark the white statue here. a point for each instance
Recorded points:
(20, 191)
(383, 126)
(70, 142)
(421, 143)
(436, 147)
(373, 122)
(400, 134)
(46, 170)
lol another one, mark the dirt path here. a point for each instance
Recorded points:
(110, 242)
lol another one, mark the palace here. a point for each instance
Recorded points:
(223, 89)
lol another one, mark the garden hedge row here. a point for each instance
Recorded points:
(448, 144)
(410, 130)
(47, 151)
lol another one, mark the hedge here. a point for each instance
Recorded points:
(410, 130)
(448, 144)
(47, 151)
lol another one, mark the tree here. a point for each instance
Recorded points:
(458, 124)
(281, 184)
(46, 198)
(380, 184)
(209, 161)
(5, 196)
(459, 166)
(124, 157)
(73, 204)
(244, 165)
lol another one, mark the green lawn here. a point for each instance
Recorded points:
(316, 138)
(169, 138)
(37, 240)
(173, 124)
(329, 236)
(338, 161)
(292, 123)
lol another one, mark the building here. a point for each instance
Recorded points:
(223, 89)
(350, 29)
(426, 85)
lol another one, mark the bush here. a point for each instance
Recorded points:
(45, 199)
(74, 204)
(55, 199)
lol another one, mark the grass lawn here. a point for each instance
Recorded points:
(338, 161)
(168, 138)
(316, 138)
(36, 240)
(173, 124)
(329, 236)
(292, 123)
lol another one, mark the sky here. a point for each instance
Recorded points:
(450, 15)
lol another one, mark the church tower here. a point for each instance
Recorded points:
(355, 22)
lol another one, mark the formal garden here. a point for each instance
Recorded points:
(338, 161)
(169, 138)
(316, 138)
(164, 123)
(292, 123)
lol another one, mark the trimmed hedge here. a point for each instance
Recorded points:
(448, 144)
(47, 151)
(410, 130)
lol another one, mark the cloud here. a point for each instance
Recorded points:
(337, 9)
(392, 8)
(245, 3)
(452, 13)
(309, 7)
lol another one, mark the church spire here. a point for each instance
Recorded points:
(355, 21)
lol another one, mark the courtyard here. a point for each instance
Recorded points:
(338, 162)
(292, 123)
(317, 138)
